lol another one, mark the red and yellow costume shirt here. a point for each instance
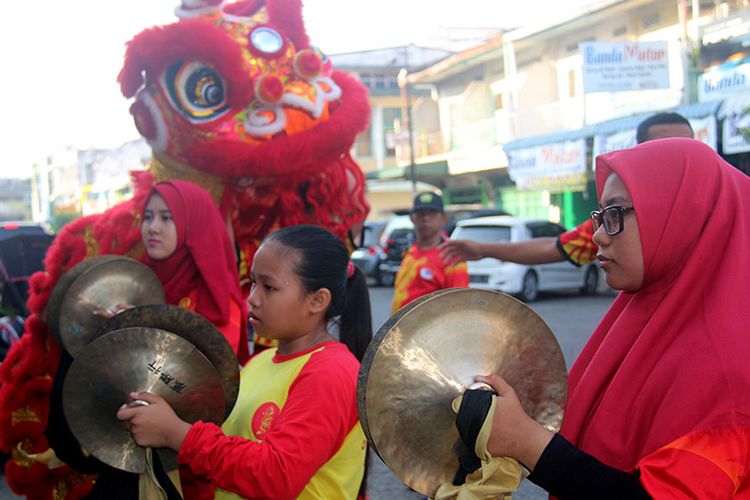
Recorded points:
(710, 464)
(423, 272)
(294, 432)
(577, 245)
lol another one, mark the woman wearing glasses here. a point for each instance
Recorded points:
(659, 400)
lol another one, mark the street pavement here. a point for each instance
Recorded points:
(571, 317)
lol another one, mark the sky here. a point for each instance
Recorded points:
(60, 59)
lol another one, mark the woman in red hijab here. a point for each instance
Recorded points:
(188, 247)
(659, 400)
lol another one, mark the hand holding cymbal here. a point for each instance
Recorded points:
(140, 359)
(511, 421)
(153, 423)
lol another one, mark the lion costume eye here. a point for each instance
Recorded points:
(196, 90)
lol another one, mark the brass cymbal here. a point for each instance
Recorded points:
(120, 280)
(136, 360)
(427, 354)
(192, 327)
(54, 303)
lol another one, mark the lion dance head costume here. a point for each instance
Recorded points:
(233, 98)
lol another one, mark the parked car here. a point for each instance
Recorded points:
(12, 228)
(368, 256)
(521, 280)
(23, 246)
(462, 212)
(398, 236)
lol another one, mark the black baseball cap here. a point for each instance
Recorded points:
(428, 201)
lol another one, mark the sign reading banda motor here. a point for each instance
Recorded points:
(615, 66)
(552, 167)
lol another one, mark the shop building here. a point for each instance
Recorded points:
(519, 120)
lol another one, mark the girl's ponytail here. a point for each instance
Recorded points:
(355, 322)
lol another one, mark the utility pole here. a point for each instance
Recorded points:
(406, 98)
(687, 84)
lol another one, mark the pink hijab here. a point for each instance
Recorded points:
(674, 357)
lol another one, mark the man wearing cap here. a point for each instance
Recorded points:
(422, 270)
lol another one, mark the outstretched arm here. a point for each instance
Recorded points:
(535, 251)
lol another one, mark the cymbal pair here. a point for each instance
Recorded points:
(163, 349)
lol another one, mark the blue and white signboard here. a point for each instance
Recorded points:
(723, 82)
(616, 66)
(551, 167)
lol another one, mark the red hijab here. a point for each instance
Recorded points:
(674, 357)
(204, 259)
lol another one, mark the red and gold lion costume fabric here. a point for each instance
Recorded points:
(231, 97)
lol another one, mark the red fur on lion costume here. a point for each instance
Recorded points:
(231, 97)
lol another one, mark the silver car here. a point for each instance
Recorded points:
(517, 279)
(369, 255)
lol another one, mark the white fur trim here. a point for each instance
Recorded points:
(330, 95)
(162, 133)
(257, 124)
(321, 96)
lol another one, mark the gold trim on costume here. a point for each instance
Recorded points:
(19, 455)
(92, 246)
(164, 169)
(24, 414)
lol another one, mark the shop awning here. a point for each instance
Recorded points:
(541, 140)
(421, 171)
(697, 110)
(386, 173)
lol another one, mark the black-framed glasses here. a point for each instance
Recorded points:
(611, 218)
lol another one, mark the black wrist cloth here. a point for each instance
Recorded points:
(475, 405)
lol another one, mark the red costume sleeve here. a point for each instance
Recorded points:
(577, 245)
(318, 415)
(699, 465)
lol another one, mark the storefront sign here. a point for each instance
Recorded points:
(734, 141)
(704, 129)
(720, 83)
(615, 66)
(613, 142)
(552, 167)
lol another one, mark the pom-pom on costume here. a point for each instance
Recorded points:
(232, 97)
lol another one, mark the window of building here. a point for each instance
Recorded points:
(379, 81)
(650, 20)
(390, 117)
